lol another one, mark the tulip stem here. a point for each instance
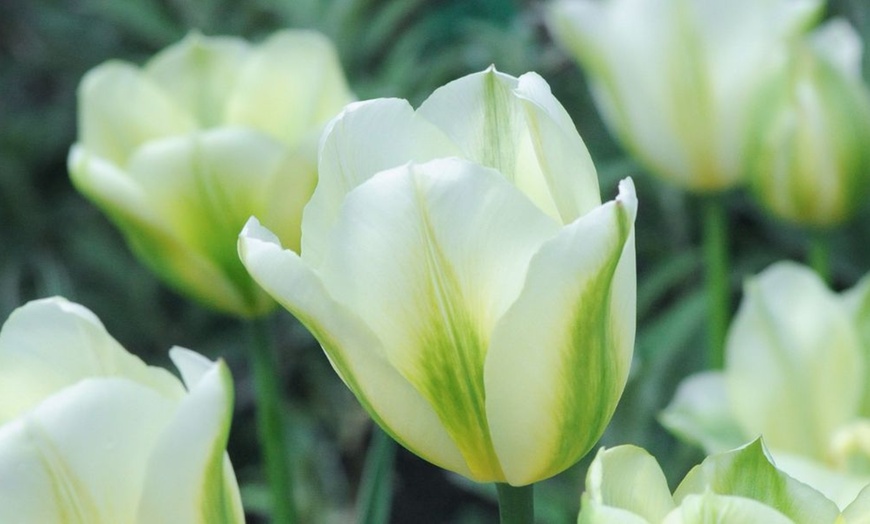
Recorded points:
(270, 425)
(716, 255)
(516, 505)
(819, 255)
(376, 486)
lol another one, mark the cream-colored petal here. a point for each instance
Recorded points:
(439, 252)
(120, 109)
(858, 512)
(353, 348)
(629, 478)
(483, 114)
(794, 368)
(838, 485)
(199, 74)
(700, 413)
(81, 455)
(711, 508)
(185, 480)
(562, 156)
(290, 85)
(559, 357)
(748, 472)
(206, 185)
(368, 137)
(49, 344)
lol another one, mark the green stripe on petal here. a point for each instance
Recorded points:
(559, 357)
(352, 348)
(748, 472)
(441, 248)
(185, 479)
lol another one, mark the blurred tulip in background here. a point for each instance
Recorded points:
(179, 153)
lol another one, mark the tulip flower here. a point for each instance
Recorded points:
(179, 153)
(625, 485)
(463, 277)
(674, 79)
(795, 373)
(89, 433)
(809, 161)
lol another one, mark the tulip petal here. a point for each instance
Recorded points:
(838, 485)
(561, 153)
(352, 347)
(368, 137)
(442, 249)
(49, 344)
(80, 456)
(593, 513)
(189, 478)
(794, 367)
(747, 472)
(629, 478)
(121, 109)
(199, 74)
(559, 357)
(206, 185)
(484, 114)
(700, 414)
(709, 507)
(292, 83)
(857, 303)
(858, 512)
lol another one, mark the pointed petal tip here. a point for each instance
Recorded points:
(628, 195)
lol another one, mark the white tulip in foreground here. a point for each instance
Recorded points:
(90, 434)
(463, 276)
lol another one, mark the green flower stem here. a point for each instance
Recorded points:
(819, 255)
(376, 486)
(270, 425)
(516, 505)
(716, 258)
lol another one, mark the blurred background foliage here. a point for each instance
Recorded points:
(53, 242)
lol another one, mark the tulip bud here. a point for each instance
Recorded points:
(673, 79)
(625, 484)
(795, 371)
(463, 277)
(809, 153)
(179, 153)
(89, 433)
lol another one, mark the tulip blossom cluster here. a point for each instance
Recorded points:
(463, 276)
(89, 433)
(795, 372)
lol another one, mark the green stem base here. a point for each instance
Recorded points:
(716, 261)
(270, 425)
(376, 486)
(516, 505)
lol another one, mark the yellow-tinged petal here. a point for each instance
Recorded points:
(366, 138)
(80, 456)
(49, 344)
(858, 512)
(289, 87)
(442, 249)
(559, 357)
(199, 74)
(794, 365)
(354, 350)
(189, 478)
(205, 186)
(121, 109)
